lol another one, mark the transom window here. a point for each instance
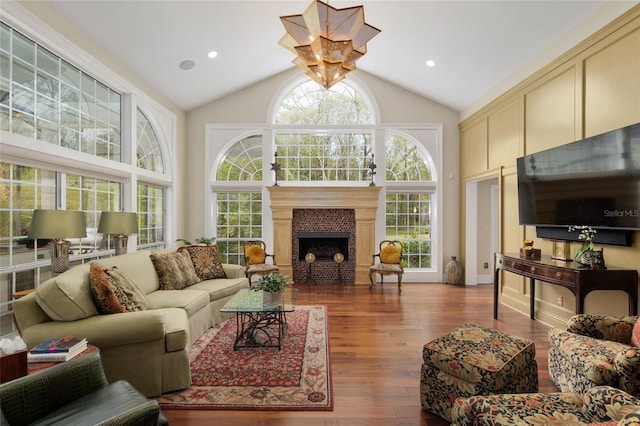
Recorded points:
(311, 104)
(44, 97)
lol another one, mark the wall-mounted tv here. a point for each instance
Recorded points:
(594, 181)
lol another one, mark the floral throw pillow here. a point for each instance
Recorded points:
(206, 261)
(175, 270)
(112, 296)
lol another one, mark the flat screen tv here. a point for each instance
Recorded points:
(594, 181)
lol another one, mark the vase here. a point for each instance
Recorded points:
(594, 259)
(272, 300)
(454, 271)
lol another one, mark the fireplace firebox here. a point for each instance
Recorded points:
(324, 245)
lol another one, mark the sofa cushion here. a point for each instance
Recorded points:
(137, 266)
(206, 261)
(113, 291)
(67, 297)
(189, 300)
(175, 270)
(221, 287)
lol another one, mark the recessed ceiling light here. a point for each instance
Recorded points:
(431, 63)
(212, 54)
(187, 64)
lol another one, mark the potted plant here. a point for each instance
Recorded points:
(270, 283)
(201, 240)
(272, 286)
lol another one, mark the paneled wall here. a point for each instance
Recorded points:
(591, 89)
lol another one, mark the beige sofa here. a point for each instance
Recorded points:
(149, 348)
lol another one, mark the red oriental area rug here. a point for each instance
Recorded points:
(297, 377)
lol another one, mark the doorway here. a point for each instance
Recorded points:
(482, 201)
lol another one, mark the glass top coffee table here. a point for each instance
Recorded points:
(261, 318)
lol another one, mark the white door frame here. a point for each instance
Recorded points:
(471, 226)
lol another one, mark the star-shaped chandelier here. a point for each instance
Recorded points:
(327, 41)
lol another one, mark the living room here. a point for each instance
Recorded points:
(570, 98)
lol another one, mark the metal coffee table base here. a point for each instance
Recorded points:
(264, 329)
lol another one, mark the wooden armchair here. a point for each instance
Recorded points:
(255, 257)
(389, 262)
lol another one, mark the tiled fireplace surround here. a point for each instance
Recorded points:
(349, 210)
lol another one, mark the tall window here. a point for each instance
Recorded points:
(239, 213)
(151, 216)
(408, 214)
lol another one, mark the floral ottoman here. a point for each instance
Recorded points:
(475, 360)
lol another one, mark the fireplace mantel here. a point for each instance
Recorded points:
(363, 200)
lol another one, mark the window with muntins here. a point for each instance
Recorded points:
(44, 97)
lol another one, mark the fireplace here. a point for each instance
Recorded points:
(323, 245)
(361, 202)
(323, 232)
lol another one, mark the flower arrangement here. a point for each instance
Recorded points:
(587, 234)
(270, 283)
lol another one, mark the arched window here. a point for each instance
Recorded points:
(321, 148)
(311, 104)
(148, 147)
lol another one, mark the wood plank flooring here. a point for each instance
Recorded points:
(376, 339)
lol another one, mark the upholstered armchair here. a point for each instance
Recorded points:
(255, 257)
(76, 392)
(595, 350)
(601, 405)
(389, 262)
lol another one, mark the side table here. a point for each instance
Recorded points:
(33, 367)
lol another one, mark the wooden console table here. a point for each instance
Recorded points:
(580, 280)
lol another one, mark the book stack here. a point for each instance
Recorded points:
(57, 350)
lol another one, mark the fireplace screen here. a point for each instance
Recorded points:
(324, 245)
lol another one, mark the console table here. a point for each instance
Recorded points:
(580, 280)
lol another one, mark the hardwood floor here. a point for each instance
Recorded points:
(376, 339)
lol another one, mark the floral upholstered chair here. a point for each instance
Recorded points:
(255, 256)
(389, 262)
(601, 405)
(595, 350)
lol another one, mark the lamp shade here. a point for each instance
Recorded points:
(57, 224)
(119, 223)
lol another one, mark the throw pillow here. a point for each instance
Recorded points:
(255, 254)
(175, 270)
(110, 297)
(206, 261)
(635, 334)
(390, 254)
(137, 300)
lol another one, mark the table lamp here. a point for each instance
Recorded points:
(120, 225)
(57, 225)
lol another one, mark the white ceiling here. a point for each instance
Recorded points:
(476, 44)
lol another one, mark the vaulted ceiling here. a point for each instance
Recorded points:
(477, 45)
